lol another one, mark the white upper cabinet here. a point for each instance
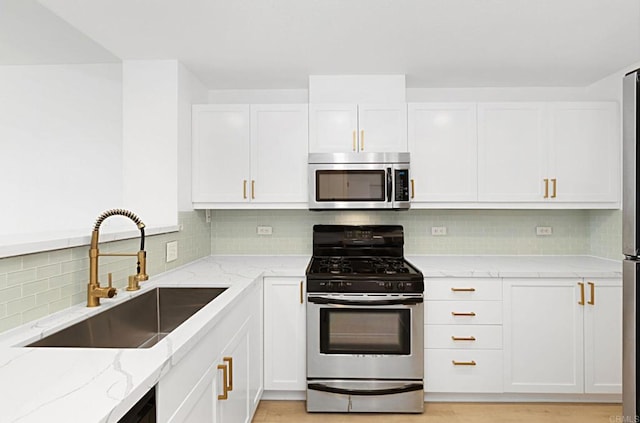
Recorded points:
(584, 152)
(549, 153)
(279, 153)
(443, 147)
(221, 139)
(248, 156)
(511, 152)
(335, 128)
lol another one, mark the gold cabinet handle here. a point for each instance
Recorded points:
(546, 187)
(469, 314)
(301, 295)
(554, 181)
(354, 140)
(225, 391)
(463, 289)
(244, 189)
(362, 140)
(592, 288)
(463, 338)
(581, 302)
(413, 189)
(230, 361)
(463, 363)
(253, 189)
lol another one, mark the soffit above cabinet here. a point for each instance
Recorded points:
(277, 44)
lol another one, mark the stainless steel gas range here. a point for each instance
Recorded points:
(365, 317)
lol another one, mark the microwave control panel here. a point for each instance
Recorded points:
(401, 185)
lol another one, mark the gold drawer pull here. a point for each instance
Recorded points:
(301, 294)
(469, 314)
(546, 187)
(413, 189)
(225, 391)
(463, 338)
(230, 361)
(463, 363)
(463, 289)
(581, 302)
(253, 189)
(554, 181)
(354, 140)
(592, 301)
(244, 189)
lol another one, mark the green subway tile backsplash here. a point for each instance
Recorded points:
(35, 285)
(480, 232)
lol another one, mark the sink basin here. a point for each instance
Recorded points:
(140, 322)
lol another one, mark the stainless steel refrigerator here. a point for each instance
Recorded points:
(630, 242)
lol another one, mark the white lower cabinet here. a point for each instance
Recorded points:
(562, 335)
(463, 335)
(284, 334)
(220, 379)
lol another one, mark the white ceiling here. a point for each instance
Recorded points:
(435, 43)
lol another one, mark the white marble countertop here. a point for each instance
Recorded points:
(517, 266)
(100, 385)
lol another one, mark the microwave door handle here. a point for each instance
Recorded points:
(389, 185)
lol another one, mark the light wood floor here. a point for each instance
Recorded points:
(294, 412)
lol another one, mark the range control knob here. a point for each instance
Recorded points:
(401, 286)
(388, 285)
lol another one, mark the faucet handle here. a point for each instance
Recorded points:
(109, 276)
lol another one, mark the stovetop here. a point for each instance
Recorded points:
(363, 259)
(359, 266)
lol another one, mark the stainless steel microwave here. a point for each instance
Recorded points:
(343, 181)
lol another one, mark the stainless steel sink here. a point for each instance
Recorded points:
(137, 323)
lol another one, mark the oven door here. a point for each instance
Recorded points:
(365, 336)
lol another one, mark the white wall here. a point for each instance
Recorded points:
(150, 140)
(258, 96)
(60, 145)
(190, 91)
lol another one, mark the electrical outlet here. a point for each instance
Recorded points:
(172, 251)
(438, 230)
(544, 230)
(264, 230)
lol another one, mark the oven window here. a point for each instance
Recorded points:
(354, 331)
(350, 185)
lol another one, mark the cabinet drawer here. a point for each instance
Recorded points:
(463, 336)
(463, 289)
(463, 312)
(475, 371)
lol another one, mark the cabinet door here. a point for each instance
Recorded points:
(443, 147)
(585, 152)
(382, 127)
(333, 128)
(603, 336)
(543, 336)
(200, 406)
(235, 408)
(220, 152)
(511, 152)
(284, 334)
(279, 153)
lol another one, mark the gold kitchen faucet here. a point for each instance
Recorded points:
(94, 290)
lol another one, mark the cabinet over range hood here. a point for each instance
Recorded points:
(359, 181)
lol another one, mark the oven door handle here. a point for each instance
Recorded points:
(339, 301)
(366, 392)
